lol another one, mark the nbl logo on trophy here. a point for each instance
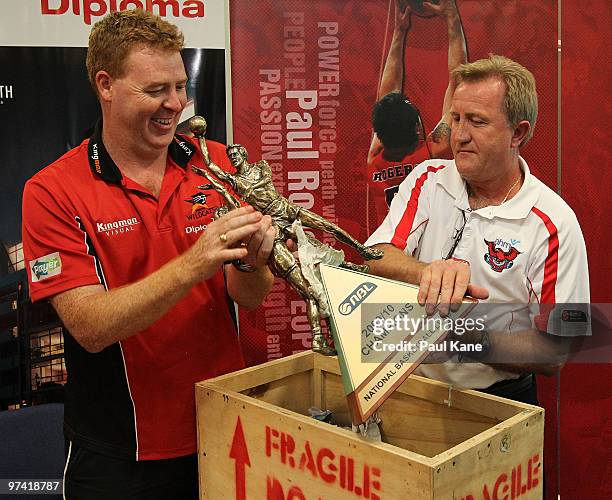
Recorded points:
(356, 298)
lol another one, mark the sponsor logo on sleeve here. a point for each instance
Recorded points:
(573, 316)
(46, 266)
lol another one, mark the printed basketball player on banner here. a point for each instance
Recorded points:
(399, 140)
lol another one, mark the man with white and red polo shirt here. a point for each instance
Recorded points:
(481, 224)
(118, 235)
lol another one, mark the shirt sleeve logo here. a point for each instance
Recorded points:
(46, 266)
(498, 258)
(573, 316)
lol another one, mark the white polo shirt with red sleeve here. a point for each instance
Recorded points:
(85, 223)
(528, 251)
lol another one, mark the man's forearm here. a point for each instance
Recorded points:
(457, 49)
(526, 351)
(457, 55)
(393, 73)
(396, 265)
(248, 289)
(97, 318)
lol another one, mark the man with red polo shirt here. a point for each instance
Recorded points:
(121, 239)
(399, 142)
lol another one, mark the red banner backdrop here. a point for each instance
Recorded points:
(321, 61)
(586, 390)
(305, 78)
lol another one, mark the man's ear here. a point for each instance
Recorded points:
(104, 84)
(520, 133)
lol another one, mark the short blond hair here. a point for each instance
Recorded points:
(521, 97)
(112, 38)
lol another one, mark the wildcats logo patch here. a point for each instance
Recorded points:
(498, 258)
(199, 205)
(46, 266)
(197, 201)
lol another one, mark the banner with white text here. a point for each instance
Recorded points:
(305, 78)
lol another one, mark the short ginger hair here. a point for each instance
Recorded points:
(112, 38)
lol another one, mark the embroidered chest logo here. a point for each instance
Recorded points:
(117, 226)
(498, 257)
(199, 207)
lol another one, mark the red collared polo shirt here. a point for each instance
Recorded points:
(85, 223)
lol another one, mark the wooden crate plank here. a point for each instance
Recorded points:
(432, 390)
(427, 427)
(506, 464)
(318, 388)
(292, 393)
(262, 374)
(327, 363)
(273, 452)
(335, 399)
(464, 399)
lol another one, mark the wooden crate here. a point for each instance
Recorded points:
(256, 440)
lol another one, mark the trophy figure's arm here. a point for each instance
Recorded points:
(231, 200)
(197, 124)
(219, 172)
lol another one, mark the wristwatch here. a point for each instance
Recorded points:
(485, 342)
(242, 267)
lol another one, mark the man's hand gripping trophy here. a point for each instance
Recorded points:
(252, 182)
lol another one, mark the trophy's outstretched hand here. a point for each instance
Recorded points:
(198, 126)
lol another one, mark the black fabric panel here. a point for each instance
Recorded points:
(98, 413)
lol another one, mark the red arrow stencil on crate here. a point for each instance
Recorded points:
(240, 454)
